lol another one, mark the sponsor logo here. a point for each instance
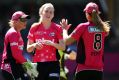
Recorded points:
(93, 29)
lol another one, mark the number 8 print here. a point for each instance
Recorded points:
(97, 41)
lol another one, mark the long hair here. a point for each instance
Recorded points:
(103, 25)
(42, 8)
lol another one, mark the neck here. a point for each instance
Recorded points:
(17, 28)
(46, 23)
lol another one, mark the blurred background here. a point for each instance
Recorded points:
(73, 11)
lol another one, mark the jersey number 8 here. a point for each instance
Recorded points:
(97, 41)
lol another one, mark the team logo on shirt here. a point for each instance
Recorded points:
(52, 34)
(93, 29)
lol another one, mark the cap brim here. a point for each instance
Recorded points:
(26, 16)
(90, 11)
(84, 10)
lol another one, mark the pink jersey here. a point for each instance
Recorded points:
(38, 33)
(90, 46)
(13, 49)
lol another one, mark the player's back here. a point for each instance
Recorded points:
(92, 44)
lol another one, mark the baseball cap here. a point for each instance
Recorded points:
(90, 7)
(19, 14)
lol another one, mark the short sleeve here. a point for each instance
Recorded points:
(31, 34)
(78, 31)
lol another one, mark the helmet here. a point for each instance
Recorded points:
(90, 7)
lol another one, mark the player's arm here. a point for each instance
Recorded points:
(67, 38)
(31, 45)
(60, 45)
(16, 50)
(17, 54)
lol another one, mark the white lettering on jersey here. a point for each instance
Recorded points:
(14, 44)
(93, 29)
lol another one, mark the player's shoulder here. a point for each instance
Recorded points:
(11, 32)
(34, 26)
(56, 25)
(83, 25)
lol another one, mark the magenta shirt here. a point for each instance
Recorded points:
(93, 42)
(37, 33)
(14, 39)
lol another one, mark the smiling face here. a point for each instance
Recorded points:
(47, 12)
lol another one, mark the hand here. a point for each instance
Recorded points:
(64, 24)
(48, 42)
(72, 55)
(38, 45)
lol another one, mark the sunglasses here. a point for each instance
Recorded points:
(23, 19)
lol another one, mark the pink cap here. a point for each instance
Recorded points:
(19, 14)
(90, 7)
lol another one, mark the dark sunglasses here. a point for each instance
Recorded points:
(23, 19)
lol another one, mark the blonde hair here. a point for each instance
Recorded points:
(11, 23)
(43, 6)
(103, 25)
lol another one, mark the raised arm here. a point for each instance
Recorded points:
(67, 38)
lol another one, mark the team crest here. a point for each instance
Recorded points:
(52, 34)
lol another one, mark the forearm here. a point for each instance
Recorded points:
(67, 38)
(65, 34)
(17, 55)
(59, 46)
(31, 47)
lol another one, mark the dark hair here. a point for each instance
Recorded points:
(103, 25)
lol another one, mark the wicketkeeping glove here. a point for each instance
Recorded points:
(31, 68)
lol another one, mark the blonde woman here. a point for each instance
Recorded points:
(44, 38)
(90, 49)
(13, 59)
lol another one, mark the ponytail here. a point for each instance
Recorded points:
(103, 25)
